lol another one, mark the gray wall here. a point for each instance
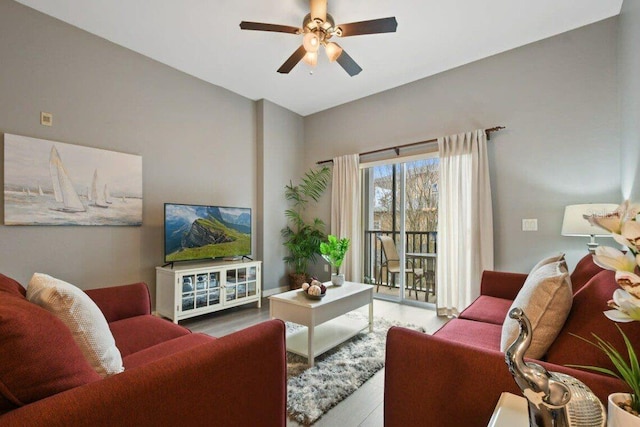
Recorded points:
(197, 142)
(280, 135)
(203, 144)
(629, 76)
(558, 100)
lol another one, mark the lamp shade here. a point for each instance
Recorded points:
(333, 51)
(311, 58)
(311, 42)
(574, 223)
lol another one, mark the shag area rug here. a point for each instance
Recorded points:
(311, 392)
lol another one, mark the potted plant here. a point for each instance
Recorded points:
(333, 251)
(302, 238)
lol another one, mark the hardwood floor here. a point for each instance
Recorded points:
(364, 408)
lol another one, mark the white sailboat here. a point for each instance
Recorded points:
(62, 185)
(97, 196)
(107, 195)
(40, 192)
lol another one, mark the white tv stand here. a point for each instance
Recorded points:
(186, 291)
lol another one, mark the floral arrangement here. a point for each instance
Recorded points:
(625, 306)
(625, 303)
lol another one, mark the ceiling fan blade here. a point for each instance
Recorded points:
(292, 61)
(259, 26)
(349, 65)
(375, 26)
(318, 9)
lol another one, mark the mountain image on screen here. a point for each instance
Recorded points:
(199, 232)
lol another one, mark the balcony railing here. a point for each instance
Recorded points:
(416, 241)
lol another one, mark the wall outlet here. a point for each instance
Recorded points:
(326, 268)
(530, 224)
(46, 119)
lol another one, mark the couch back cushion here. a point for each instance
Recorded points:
(587, 318)
(584, 271)
(38, 356)
(546, 299)
(10, 286)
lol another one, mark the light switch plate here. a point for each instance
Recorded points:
(530, 224)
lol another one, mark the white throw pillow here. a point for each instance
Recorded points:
(559, 257)
(82, 316)
(546, 298)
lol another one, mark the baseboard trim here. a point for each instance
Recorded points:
(274, 291)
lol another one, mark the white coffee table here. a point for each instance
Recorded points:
(326, 327)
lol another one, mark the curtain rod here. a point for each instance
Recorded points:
(397, 148)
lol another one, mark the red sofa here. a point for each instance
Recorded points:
(171, 377)
(455, 376)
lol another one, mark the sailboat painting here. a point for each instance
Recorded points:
(54, 183)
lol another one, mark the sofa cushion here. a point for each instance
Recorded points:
(9, 285)
(477, 334)
(38, 356)
(164, 349)
(82, 316)
(587, 318)
(487, 309)
(584, 271)
(546, 299)
(137, 333)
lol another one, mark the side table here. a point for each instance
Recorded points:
(511, 411)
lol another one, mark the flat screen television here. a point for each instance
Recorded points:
(195, 232)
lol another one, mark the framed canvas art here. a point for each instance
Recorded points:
(53, 183)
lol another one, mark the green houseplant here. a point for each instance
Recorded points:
(333, 251)
(302, 237)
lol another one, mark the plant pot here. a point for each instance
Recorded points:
(296, 280)
(618, 417)
(337, 279)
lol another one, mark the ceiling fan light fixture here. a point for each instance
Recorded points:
(311, 58)
(333, 51)
(311, 42)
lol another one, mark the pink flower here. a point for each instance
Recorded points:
(613, 222)
(613, 259)
(626, 307)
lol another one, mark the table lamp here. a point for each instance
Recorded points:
(574, 223)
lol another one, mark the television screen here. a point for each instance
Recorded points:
(193, 232)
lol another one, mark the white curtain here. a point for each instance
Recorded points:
(345, 211)
(465, 224)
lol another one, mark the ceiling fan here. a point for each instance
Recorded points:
(317, 29)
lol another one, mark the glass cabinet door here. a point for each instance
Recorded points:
(214, 288)
(230, 288)
(242, 283)
(251, 281)
(188, 292)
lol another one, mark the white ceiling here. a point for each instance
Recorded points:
(203, 38)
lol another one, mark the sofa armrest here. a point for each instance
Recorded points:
(122, 302)
(239, 380)
(453, 384)
(501, 284)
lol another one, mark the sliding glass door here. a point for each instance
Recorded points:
(400, 202)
